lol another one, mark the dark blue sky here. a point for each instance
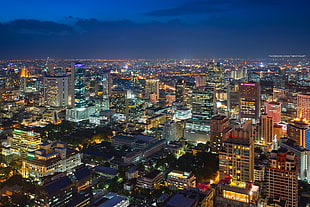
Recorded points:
(153, 28)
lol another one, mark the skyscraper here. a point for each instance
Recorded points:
(281, 176)
(78, 76)
(180, 90)
(249, 100)
(266, 124)
(303, 157)
(273, 109)
(298, 130)
(56, 91)
(77, 95)
(236, 159)
(215, 75)
(203, 102)
(106, 89)
(303, 105)
(200, 81)
(219, 132)
(152, 87)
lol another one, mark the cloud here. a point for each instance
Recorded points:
(222, 7)
(93, 38)
(192, 8)
(31, 26)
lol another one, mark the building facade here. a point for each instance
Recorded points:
(23, 141)
(249, 100)
(298, 130)
(219, 132)
(178, 180)
(50, 159)
(281, 176)
(236, 159)
(273, 109)
(303, 105)
(56, 91)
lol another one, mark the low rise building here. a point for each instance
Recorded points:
(50, 159)
(181, 180)
(236, 193)
(71, 190)
(151, 180)
(24, 141)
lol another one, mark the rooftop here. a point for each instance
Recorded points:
(152, 174)
(106, 170)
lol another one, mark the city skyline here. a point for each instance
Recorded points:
(154, 29)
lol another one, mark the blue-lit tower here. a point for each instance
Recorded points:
(106, 89)
(78, 74)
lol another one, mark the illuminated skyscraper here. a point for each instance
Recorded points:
(303, 105)
(180, 90)
(219, 132)
(106, 89)
(200, 81)
(281, 176)
(12, 78)
(249, 100)
(273, 109)
(266, 124)
(215, 75)
(24, 74)
(236, 159)
(203, 102)
(56, 91)
(77, 95)
(303, 157)
(298, 130)
(78, 75)
(152, 87)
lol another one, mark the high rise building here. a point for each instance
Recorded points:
(238, 73)
(23, 141)
(278, 94)
(77, 95)
(281, 176)
(298, 130)
(200, 81)
(249, 99)
(236, 159)
(303, 157)
(56, 91)
(215, 75)
(219, 132)
(303, 105)
(152, 87)
(24, 74)
(203, 103)
(106, 89)
(266, 128)
(180, 90)
(273, 109)
(78, 76)
(12, 78)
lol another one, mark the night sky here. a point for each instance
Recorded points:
(153, 28)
